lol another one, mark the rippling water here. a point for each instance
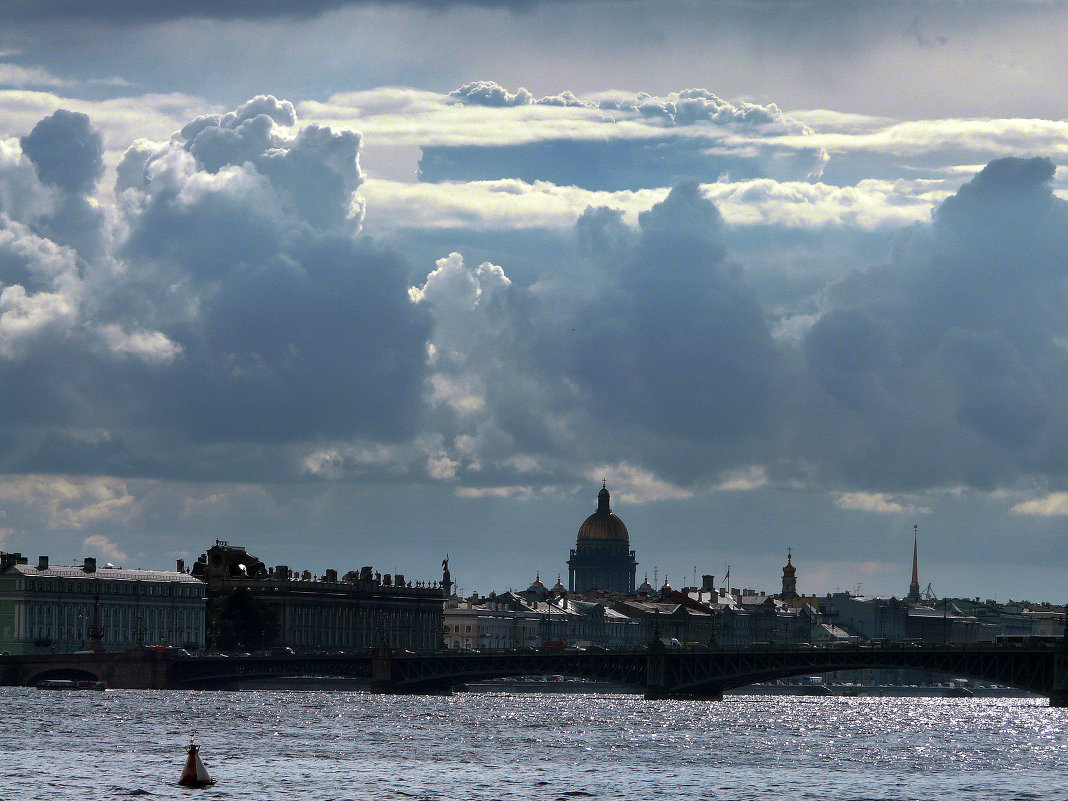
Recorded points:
(332, 746)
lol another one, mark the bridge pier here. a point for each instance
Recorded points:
(1058, 696)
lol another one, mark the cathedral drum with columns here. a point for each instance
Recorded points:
(602, 558)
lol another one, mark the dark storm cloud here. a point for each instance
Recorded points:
(239, 311)
(680, 337)
(948, 364)
(944, 367)
(66, 151)
(649, 349)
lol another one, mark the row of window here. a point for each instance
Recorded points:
(114, 588)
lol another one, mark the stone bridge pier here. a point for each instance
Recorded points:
(1059, 693)
(134, 670)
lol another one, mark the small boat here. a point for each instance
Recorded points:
(70, 684)
(194, 774)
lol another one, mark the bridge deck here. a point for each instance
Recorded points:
(703, 673)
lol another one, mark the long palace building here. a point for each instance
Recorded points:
(359, 610)
(60, 608)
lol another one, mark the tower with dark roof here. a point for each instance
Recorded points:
(602, 558)
(914, 587)
(789, 578)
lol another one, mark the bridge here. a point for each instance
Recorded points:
(707, 673)
(702, 673)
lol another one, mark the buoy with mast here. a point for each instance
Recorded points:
(194, 774)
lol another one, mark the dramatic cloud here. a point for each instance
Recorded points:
(686, 135)
(233, 304)
(408, 310)
(66, 151)
(946, 365)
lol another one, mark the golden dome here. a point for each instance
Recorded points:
(602, 524)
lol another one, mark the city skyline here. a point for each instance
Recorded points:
(373, 282)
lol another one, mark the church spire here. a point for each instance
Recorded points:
(914, 587)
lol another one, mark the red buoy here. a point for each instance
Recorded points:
(194, 774)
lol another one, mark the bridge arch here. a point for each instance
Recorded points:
(68, 673)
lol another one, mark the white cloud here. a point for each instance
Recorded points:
(633, 484)
(19, 75)
(440, 467)
(98, 543)
(151, 346)
(70, 502)
(477, 493)
(877, 503)
(745, 478)
(511, 203)
(1055, 504)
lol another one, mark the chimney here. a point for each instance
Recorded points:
(90, 564)
(181, 566)
(42, 563)
(708, 583)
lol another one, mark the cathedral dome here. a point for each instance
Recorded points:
(602, 524)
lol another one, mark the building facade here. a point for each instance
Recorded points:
(511, 620)
(360, 610)
(62, 609)
(602, 558)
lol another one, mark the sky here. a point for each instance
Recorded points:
(369, 283)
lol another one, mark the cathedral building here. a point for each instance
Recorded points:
(602, 558)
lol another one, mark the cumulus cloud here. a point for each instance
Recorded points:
(66, 151)
(944, 363)
(488, 93)
(227, 299)
(484, 132)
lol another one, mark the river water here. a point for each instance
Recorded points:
(339, 746)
